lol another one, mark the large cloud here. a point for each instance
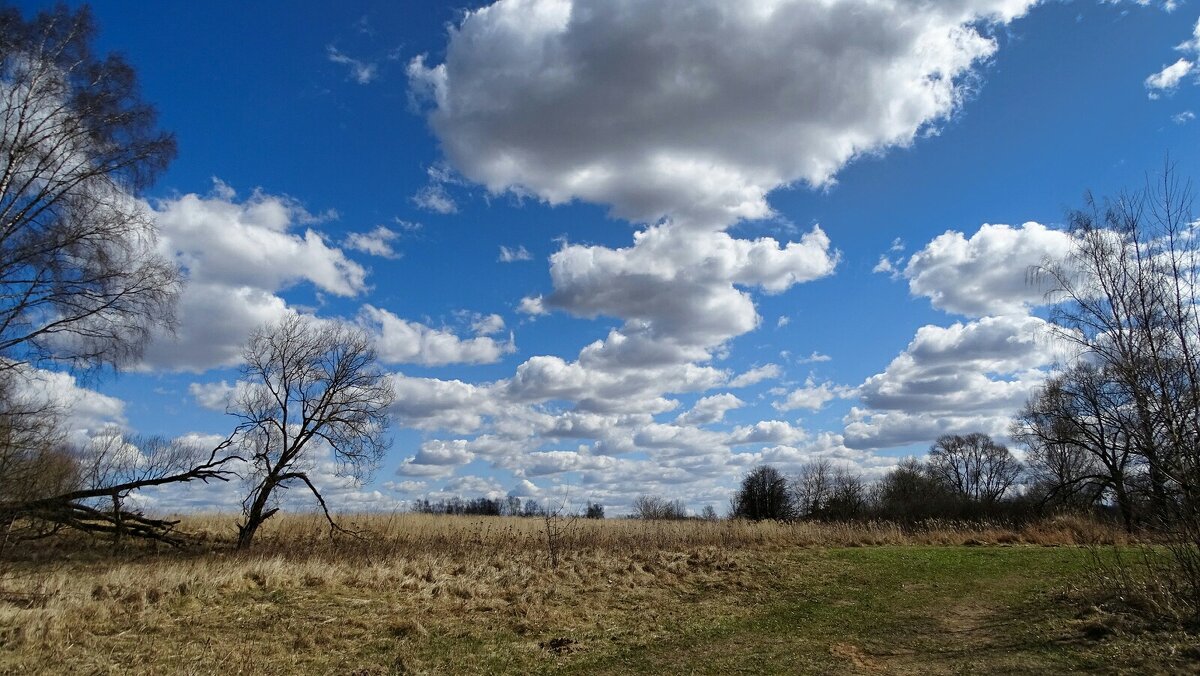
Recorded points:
(991, 273)
(962, 378)
(237, 256)
(695, 109)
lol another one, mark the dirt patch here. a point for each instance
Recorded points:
(855, 655)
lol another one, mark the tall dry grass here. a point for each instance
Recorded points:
(404, 534)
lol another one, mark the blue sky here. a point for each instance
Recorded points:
(807, 183)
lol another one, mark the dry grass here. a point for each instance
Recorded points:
(406, 534)
(424, 593)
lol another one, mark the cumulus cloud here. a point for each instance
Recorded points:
(756, 375)
(813, 396)
(967, 377)
(987, 274)
(376, 242)
(684, 285)
(684, 108)
(82, 412)
(1167, 80)
(237, 255)
(399, 341)
(710, 409)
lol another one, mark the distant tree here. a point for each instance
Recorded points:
(763, 495)
(532, 508)
(512, 506)
(973, 467)
(812, 488)
(909, 494)
(709, 513)
(595, 510)
(307, 386)
(847, 496)
(654, 508)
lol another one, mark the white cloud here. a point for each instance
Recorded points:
(486, 325)
(683, 285)
(510, 255)
(532, 305)
(399, 341)
(988, 274)
(968, 377)
(1184, 117)
(237, 256)
(435, 198)
(685, 108)
(756, 375)
(361, 71)
(1167, 80)
(83, 412)
(376, 242)
(710, 410)
(813, 396)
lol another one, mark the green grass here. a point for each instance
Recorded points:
(894, 610)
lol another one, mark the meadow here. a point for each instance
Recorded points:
(438, 594)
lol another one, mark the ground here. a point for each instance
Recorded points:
(491, 603)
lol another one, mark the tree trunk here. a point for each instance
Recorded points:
(255, 517)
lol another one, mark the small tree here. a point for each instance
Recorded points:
(812, 488)
(307, 384)
(650, 507)
(595, 510)
(763, 495)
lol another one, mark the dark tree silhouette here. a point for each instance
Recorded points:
(307, 383)
(763, 495)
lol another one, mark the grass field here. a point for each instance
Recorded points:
(455, 595)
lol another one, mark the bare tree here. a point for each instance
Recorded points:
(1128, 299)
(1080, 430)
(85, 490)
(973, 467)
(763, 495)
(80, 280)
(651, 507)
(307, 384)
(812, 487)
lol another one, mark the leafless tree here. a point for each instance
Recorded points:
(80, 280)
(307, 384)
(1128, 299)
(1080, 431)
(85, 490)
(812, 487)
(651, 507)
(973, 467)
(764, 494)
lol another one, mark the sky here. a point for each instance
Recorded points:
(610, 248)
